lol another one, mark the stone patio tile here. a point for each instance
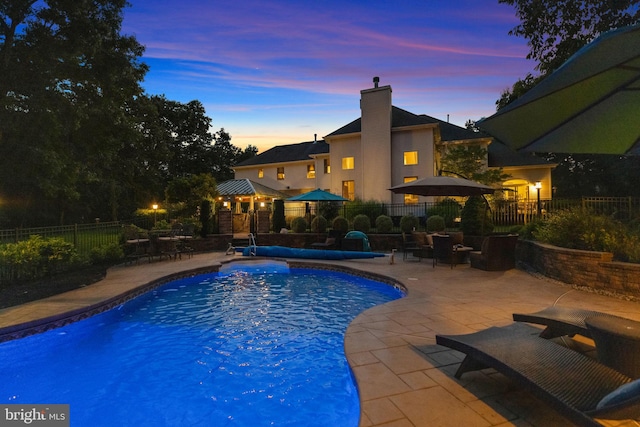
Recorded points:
(376, 381)
(437, 407)
(380, 411)
(402, 360)
(417, 380)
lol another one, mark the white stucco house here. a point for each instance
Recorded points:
(385, 146)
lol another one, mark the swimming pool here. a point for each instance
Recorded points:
(256, 344)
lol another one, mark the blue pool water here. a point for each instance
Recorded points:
(253, 345)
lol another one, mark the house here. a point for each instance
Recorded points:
(386, 146)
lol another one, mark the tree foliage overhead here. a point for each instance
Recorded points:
(79, 138)
(556, 29)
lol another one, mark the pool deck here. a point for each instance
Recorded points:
(404, 378)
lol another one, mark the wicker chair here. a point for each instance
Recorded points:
(498, 253)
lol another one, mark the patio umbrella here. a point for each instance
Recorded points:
(317, 195)
(591, 104)
(443, 186)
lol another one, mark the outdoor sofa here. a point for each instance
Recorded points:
(498, 253)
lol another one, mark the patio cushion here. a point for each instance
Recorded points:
(621, 394)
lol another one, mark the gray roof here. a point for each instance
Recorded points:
(246, 187)
(399, 118)
(288, 153)
(499, 154)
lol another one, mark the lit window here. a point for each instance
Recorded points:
(349, 190)
(327, 166)
(347, 163)
(410, 157)
(410, 199)
(311, 171)
(260, 173)
(281, 173)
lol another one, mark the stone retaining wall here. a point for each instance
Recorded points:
(585, 268)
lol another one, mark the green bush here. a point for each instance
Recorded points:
(448, 209)
(299, 224)
(370, 208)
(329, 210)
(408, 223)
(384, 224)
(206, 220)
(579, 229)
(340, 224)
(37, 257)
(361, 223)
(319, 224)
(475, 218)
(435, 223)
(106, 254)
(279, 220)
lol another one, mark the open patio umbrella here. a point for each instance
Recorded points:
(443, 186)
(591, 104)
(317, 195)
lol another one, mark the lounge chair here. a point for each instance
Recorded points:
(561, 321)
(577, 386)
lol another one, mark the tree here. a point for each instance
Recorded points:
(67, 75)
(556, 29)
(186, 193)
(469, 162)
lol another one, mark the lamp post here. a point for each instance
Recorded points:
(538, 187)
(155, 212)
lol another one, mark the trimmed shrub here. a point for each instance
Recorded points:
(340, 224)
(361, 223)
(384, 224)
(205, 217)
(299, 224)
(370, 208)
(475, 217)
(408, 223)
(319, 224)
(435, 223)
(448, 209)
(329, 210)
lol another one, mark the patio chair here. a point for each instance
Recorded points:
(329, 243)
(442, 249)
(577, 386)
(498, 253)
(409, 245)
(560, 321)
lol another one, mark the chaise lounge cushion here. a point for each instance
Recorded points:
(620, 395)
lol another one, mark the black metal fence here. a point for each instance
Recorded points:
(86, 236)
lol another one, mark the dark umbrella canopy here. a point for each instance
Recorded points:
(317, 195)
(591, 104)
(443, 186)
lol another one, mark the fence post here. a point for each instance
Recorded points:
(75, 236)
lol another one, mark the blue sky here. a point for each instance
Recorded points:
(278, 72)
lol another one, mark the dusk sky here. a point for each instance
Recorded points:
(278, 72)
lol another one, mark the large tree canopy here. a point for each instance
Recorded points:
(79, 138)
(67, 75)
